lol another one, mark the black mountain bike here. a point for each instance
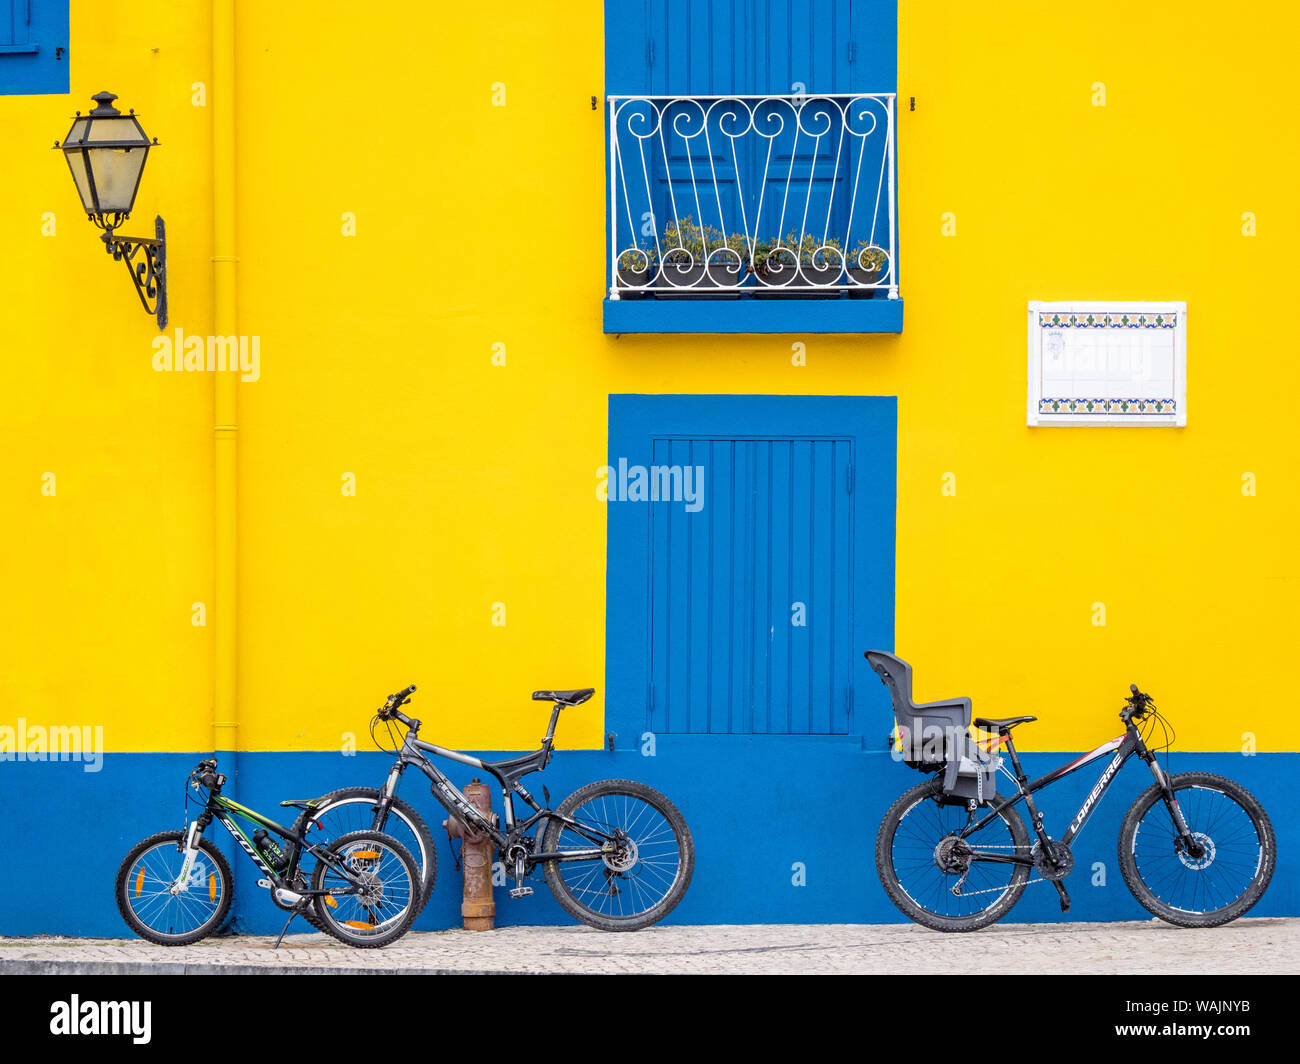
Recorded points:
(1195, 849)
(616, 854)
(175, 888)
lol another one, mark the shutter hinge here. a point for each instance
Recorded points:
(650, 697)
(650, 53)
(848, 478)
(853, 51)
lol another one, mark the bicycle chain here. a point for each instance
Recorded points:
(1001, 890)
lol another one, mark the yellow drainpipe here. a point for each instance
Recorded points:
(225, 718)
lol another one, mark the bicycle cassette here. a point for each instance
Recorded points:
(1061, 863)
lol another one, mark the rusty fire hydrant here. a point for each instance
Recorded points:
(478, 910)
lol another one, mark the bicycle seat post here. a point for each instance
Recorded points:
(1004, 739)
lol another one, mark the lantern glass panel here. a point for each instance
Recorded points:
(77, 164)
(117, 174)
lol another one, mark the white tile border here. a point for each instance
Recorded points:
(1034, 418)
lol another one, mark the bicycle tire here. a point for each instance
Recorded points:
(427, 861)
(122, 887)
(564, 894)
(1267, 862)
(885, 866)
(400, 925)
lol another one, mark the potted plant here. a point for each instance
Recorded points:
(791, 261)
(821, 264)
(868, 265)
(727, 263)
(697, 258)
(636, 269)
(683, 267)
(775, 265)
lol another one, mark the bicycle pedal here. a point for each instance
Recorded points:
(520, 892)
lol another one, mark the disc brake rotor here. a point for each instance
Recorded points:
(1207, 852)
(624, 859)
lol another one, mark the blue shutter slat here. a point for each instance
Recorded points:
(778, 634)
(821, 655)
(722, 530)
(760, 568)
(842, 583)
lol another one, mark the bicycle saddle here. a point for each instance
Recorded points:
(303, 803)
(565, 698)
(1004, 724)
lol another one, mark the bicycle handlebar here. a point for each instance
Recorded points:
(388, 711)
(1136, 705)
(206, 774)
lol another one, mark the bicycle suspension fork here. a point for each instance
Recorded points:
(386, 796)
(191, 851)
(1185, 836)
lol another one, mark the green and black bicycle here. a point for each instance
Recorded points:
(175, 888)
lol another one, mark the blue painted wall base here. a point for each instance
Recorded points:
(758, 806)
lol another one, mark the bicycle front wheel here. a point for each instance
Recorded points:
(161, 907)
(921, 860)
(642, 878)
(1235, 854)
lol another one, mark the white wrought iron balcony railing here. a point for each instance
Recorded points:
(729, 197)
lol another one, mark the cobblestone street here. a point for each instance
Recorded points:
(1246, 946)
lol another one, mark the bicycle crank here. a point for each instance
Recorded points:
(1054, 864)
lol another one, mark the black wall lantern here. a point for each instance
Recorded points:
(106, 152)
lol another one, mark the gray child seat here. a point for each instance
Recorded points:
(936, 735)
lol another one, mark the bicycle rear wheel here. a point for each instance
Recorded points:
(920, 859)
(639, 882)
(1238, 851)
(353, 809)
(379, 910)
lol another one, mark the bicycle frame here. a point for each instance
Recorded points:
(414, 752)
(225, 810)
(1125, 746)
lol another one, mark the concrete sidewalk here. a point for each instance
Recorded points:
(1270, 946)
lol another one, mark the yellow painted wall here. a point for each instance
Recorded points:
(478, 225)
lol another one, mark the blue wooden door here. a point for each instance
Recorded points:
(742, 605)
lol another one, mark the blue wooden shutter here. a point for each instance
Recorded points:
(33, 47)
(726, 655)
(722, 47)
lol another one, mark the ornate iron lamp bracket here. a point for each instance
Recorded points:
(146, 262)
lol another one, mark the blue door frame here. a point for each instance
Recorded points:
(752, 444)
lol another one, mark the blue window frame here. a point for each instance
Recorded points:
(33, 47)
(769, 122)
(755, 565)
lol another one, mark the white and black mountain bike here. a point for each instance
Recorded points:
(1195, 849)
(616, 854)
